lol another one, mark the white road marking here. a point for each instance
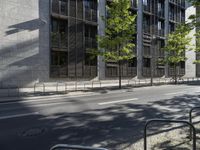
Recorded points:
(36, 105)
(29, 101)
(44, 98)
(174, 93)
(48, 99)
(49, 104)
(18, 115)
(118, 101)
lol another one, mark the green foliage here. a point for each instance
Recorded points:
(116, 44)
(178, 42)
(195, 3)
(197, 41)
(195, 23)
(195, 18)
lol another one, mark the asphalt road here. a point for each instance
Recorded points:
(101, 119)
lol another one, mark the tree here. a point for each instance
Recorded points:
(178, 42)
(117, 43)
(195, 23)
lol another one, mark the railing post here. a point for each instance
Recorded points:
(190, 118)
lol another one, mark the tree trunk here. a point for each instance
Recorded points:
(175, 74)
(120, 76)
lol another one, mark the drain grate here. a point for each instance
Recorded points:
(33, 132)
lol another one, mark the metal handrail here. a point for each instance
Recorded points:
(131, 80)
(76, 84)
(75, 147)
(162, 80)
(169, 121)
(190, 118)
(64, 83)
(14, 87)
(96, 82)
(43, 85)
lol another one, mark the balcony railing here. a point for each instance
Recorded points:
(171, 16)
(90, 71)
(180, 71)
(91, 15)
(183, 3)
(146, 28)
(160, 53)
(59, 40)
(146, 72)
(58, 71)
(147, 8)
(147, 52)
(59, 7)
(90, 43)
(161, 32)
(161, 13)
(134, 3)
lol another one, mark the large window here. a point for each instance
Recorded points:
(171, 12)
(90, 10)
(146, 5)
(145, 2)
(90, 42)
(90, 4)
(59, 33)
(146, 24)
(182, 15)
(146, 62)
(171, 27)
(160, 46)
(90, 36)
(161, 8)
(60, 7)
(59, 58)
(160, 27)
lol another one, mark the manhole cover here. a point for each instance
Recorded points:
(33, 132)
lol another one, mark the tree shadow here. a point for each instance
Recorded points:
(110, 127)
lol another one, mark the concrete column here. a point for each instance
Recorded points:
(191, 55)
(139, 38)
(101, 31)
(166, 30)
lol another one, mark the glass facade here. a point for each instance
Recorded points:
(73, 31)
(154, 25)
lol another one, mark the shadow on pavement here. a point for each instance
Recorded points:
(118, 125)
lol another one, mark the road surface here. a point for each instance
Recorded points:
(102, 119)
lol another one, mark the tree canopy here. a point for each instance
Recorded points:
(177, 43)
(117, 43)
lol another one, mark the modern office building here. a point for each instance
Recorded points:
(46, 40)
(198, 44)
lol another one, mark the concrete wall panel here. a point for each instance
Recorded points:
(24, 42)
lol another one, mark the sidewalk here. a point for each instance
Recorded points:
(81, 87)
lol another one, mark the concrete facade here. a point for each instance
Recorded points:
(24, 42)
(139, 39)
(101, 28)
(191, 55)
